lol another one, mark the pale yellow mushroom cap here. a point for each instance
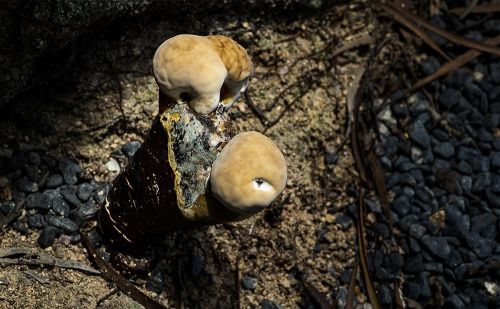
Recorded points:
(249, 173)
(205, 71)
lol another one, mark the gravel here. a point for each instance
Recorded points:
(56, 199)
(445, 178)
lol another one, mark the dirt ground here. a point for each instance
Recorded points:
(110, 98)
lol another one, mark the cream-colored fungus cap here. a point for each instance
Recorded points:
(203, 71)
(249, 173)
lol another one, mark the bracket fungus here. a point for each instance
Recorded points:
(204, 71)
(189, 172)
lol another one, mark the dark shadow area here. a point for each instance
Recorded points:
(79, 91)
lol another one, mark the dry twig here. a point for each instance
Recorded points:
(352, 286)
(452, 37)
(451, 66)
(372, 294)
(26, 256)
(413, 27)
(111, 274)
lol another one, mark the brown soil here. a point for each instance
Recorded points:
(277, 246)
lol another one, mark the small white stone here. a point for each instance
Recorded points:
(113, 166)
(478, 76)
(491, 287)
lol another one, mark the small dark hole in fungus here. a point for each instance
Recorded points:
(259, 181)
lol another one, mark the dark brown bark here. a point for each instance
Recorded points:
(156, 194)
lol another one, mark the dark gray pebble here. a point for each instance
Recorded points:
(249, 283)
(454, 259)
(69, 170)
(419, 134)
(414, 246)
(416, 230)
(454, 301)
(467, 153)
(408, 179)
(430, 65)
(344, 221)
(6, 207)
(466, 184)
(480, 222)
(393, 262)
(34, 158)
(385, 295)
(268, 304)
(405, 166)
(440, 165)
(456, 220)
(413, 263)
(422, 282)
(424, 194)
(481, 181)
(37, 201)
(485, 136)
(345, 276)
(83, 213)
(34, 173)
(26, 185)
(383, 230)
(450, 97)
(407, 221)
(69, 192)
(464, 168)
(495, 160)
(85, 191)
(331, 158)
(47, 237)
(130, 148)
(495, 72)
(495, 107)
(59, 207)
(436, 245)
(433, 267)
(54, 181)
(493, 199)
(496, 143)
(411, 290)
(64, 224)
(37, 221)
(482, 247)
(491, 121)
(21, 227)
(401, 205)
(445, 150)
(75, 238)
